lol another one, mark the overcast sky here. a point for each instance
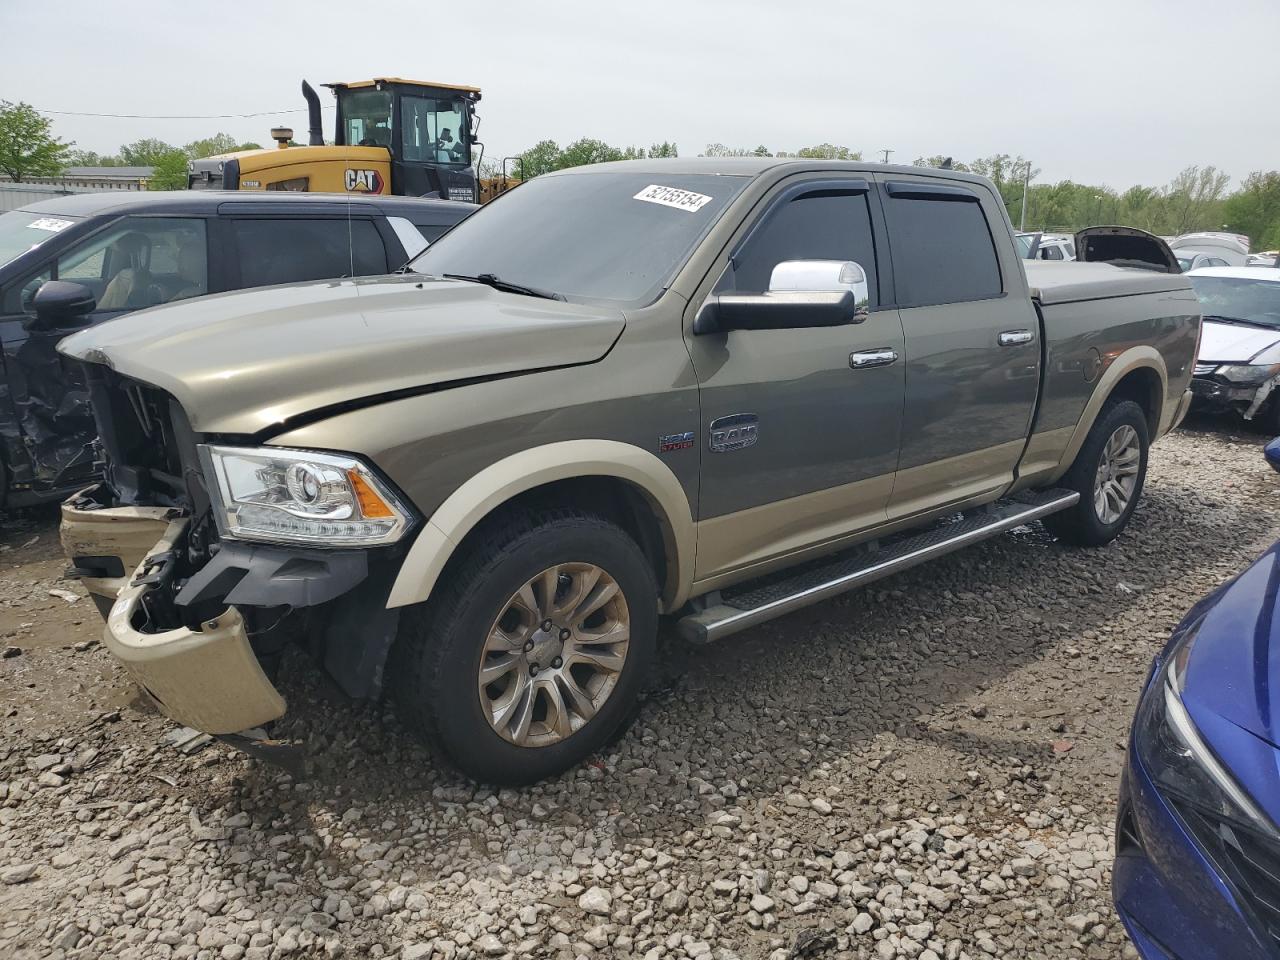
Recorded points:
(1116, 92)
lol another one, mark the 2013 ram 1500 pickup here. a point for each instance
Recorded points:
(711, 390)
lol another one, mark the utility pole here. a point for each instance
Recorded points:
(885, 158)
(1026, 180)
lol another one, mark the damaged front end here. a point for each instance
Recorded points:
(1246, 388)
(199, 607)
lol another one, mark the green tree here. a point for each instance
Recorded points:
(216, 145)
(1194, 200)
(27, 148)
(587, 150)
(169, 171)
(828, 151)
(1254, 209)
(543, 157)
(664, 149)
(937, 160)
(146, 152)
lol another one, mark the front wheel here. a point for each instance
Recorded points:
(534, 648)
(1108, 473)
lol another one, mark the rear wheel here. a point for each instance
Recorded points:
(532, 652)
(1108, 473)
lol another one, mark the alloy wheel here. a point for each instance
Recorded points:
(554, 654)
(1117, 475)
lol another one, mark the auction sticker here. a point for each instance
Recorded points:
(52, 224)
(673, 197)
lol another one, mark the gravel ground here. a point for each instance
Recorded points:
(923, 769)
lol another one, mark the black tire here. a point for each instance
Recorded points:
(1081, 525)
(441, 642)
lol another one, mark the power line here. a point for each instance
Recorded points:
(204, 116)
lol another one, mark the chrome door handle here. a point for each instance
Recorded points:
(1012, 338)
(864, 359)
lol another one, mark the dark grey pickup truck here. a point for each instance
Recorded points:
(712, 391)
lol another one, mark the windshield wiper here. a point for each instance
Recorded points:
(493, 280)
(1245, 321)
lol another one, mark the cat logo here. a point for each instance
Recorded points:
(364, 181)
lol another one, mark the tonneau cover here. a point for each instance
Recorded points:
(1072, 281)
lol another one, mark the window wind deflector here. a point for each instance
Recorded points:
(490, 280)
(901, 190)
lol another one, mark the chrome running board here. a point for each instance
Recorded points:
(755, 602)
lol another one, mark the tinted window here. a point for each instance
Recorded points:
(1050, 253)
(140, 262)
(942, 251)
(288, 251)
(589, 235)
(827, 226)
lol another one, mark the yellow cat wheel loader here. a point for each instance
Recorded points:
(405, 137)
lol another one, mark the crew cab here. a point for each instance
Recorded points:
(706, 390)
(134, 250)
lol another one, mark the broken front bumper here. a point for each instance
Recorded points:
(105, 543)
(209, 678)
(1247, 399)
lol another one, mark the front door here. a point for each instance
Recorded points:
(48, 427)
(972, 343)
(800, 428)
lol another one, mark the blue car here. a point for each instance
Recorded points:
(1197, 870)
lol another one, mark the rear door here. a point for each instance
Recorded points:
(972, 342)
(290, 248)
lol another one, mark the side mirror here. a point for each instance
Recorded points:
(61, 304)
(802, 293)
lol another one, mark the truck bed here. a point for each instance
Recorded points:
(1073, 282)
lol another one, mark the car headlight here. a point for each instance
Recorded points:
(1177, 758)
(1248, 374)
(301, 496)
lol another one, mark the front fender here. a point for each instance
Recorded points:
(523, 471)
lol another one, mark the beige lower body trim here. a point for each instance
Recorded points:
(1043, 456)
(208, 679)
(815, 551)
(125, 532)
(1176, 414)
(747, 537)
(944, 482)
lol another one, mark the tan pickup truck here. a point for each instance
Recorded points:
(705, 390)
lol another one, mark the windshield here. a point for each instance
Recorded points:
(434, 130)
(1237, 298)
(618, 237)
(1024, 244)
(21, 231)
(366, 118)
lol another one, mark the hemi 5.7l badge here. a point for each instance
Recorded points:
(675, 441)
(736, 432)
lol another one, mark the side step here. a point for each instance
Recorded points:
(755, 602)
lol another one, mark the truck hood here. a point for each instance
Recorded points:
(248, 362)
(1233, 343)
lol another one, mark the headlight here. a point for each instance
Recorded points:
(301, 496)
(1178, 760)
(1247, 374)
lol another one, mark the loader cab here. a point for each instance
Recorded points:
(428, 129)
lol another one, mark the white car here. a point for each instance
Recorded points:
(1231, 248)
(1189, 260)
(1268, 258)
(1238, 366)
(1045, 246)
